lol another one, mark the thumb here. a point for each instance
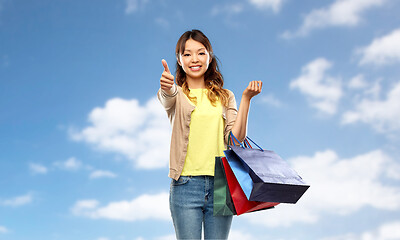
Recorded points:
(165, 64)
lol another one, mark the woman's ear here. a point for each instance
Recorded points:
(179, 62)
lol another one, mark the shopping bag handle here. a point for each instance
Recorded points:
(254, 143)
(231, 141)
(246, 142)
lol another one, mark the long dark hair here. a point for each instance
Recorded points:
(213, 78)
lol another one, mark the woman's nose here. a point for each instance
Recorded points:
(194, 58)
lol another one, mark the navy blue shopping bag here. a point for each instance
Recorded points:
(272, 179)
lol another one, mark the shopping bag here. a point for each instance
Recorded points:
(272, 179)
(223, 204)
(242, 204)
(241, 172)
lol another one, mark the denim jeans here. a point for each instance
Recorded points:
(191, 204)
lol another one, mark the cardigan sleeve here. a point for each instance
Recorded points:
(231, 113)
(168, 101)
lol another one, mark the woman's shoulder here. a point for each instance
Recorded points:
(230, 93)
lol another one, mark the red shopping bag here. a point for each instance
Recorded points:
(242, 204)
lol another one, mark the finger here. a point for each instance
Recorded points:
(165, 64)
(166, 81)
(167, 76)
(166, 86)
(259, 86)
(249, 86)
(253, 85)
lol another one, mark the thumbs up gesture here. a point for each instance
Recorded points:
(167, 79)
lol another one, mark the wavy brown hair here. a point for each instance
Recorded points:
(213, 78)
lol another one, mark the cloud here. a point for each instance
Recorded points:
(135, 5)
(102, 174)
(383, 115)
(140, 133)
(274, 5)
(236, 8)
(387, 231)
(345, 13)
(71, 164)
(228, 9)
(2, 228)
(240, 235)
(338, 187)
(17, 201)
(271, 100)
(37, 168)
(357, 82)
(162, 22)
(167, 237)
(141, 208)
(323, 91)
(382, 51)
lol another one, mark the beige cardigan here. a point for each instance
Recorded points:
(179, 111)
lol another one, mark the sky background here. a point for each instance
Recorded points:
(84, 143)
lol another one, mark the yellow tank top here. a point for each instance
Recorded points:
(206, 136)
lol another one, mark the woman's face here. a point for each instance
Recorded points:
(195, 59)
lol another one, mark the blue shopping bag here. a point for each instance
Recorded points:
(263, 175)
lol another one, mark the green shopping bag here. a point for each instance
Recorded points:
(223, 204)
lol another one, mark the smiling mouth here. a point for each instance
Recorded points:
(195, 68)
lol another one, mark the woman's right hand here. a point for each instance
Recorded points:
(167, 79)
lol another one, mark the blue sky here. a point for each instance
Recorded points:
(84, 142)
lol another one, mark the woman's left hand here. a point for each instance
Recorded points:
(253, 89)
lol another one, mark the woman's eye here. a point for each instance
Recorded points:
(202, 53)
(186, 54)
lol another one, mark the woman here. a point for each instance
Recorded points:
(202, 114)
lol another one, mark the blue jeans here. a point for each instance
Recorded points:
(191, 204)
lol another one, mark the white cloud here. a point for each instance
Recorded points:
(383, 50)
(141, 133)
(382, 115)
(17, 201)
(2, 228)
(141, 208)
(167, 237)
(135, 5)
(274, 5)
(323, 91)
(71, 164)
(164, 23)
(240, 235)
(36, 168)
(387, 231)
(228, 9)
(340, 13)
(338, 187)
(358, 82)
(83, 206)
(270, 99)
(102, 174)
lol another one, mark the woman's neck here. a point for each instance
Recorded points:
(195, 83)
